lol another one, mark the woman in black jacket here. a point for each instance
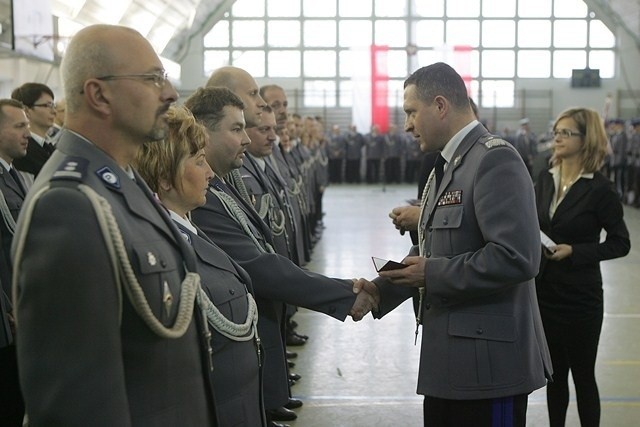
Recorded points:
(575, 203)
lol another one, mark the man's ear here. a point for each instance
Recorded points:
(441, 104)
(97, 96)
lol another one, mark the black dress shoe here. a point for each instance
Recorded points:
(304, 337)
(295, 340)
(282, 414)
(291, 382)
(293, 403)
(274, 424)
(293, 376)
(290, 364)
(291, 354)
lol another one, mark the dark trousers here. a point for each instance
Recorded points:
(392, 170)
(373, 171)
(573, 346)
(353, 170)
(508, 411)
(335, 170)
(11, 404)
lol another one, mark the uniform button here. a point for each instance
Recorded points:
(430, 229)
(427, 306)
(445, 221)
(232, 292)
(428, 254)
(479, 331)
(163, 263)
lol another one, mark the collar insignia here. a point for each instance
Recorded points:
(109, 177)
(185, 235)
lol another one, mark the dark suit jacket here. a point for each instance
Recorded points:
(14, 198)
(85, 355)
(36, 157)
(482, 336)
(236, 373)
(6, 336)
(276, 280)
(574, 284)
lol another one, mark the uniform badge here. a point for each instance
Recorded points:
(495, 142)
(109, 177)
(185, 235)
(450, 198)
(457, 160)
(167, 299)
(151, 259)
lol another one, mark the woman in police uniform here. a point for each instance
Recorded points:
(176, 169)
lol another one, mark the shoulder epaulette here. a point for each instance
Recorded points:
(491, 141)
(71, 168)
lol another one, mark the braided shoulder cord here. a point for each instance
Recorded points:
(234, 178)
(239, 216)
(6, 215)
(265, 204)
(423, 205)
(233, 331)
(188, 290)
(122, 270)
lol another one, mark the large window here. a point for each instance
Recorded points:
(491, 43)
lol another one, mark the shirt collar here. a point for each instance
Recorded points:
(261, 163)
(4, 163)
(37, 138)
(183, 222)
(452, 145)
(555, 172)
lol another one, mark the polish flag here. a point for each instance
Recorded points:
(370, 83)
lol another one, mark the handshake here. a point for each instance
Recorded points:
(368, 298)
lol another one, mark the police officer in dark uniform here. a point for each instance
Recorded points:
(105, 288)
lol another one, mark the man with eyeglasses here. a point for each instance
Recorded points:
(105, 289)
(58, 121)
(41, 112)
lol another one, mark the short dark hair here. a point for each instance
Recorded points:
(6, 102)
(29, 93)
(265, 88)
(439, 79)
(207, 104)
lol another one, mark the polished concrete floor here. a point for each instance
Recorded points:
(364, 374)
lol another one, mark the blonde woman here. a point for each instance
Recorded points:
(575, 204)
(177, 171)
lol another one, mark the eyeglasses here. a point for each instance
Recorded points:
(49, 104)
(158, 79)
(566, 133)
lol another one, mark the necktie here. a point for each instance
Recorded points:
(439, 169)
(49, 147)
(14, 174)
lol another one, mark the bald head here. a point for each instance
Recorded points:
(116, 90)
(93, 52)
(243, 85)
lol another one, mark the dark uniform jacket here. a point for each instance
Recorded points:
(482, 336)
(276, 280)
(86, 357)
(236, 368)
